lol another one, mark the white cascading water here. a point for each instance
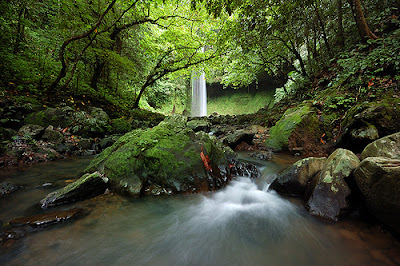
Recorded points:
(199, 93)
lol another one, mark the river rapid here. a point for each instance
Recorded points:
(243, 224)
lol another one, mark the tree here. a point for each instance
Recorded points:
(362, 25)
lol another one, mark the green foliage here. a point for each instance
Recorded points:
(239, 103)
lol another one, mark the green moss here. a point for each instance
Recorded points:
(167, 155)
(280, 133)
(38, 118)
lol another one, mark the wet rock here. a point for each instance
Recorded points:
(47, 218)
(8, 187)
(85, 144)
(328, 200)
(199, 125)
(263, 156)
(299, 127)
(388, 146)
(52, 135)
(237, 137)
(366, 123)
(108, 141)
(35, 131)
(170, 156)
(294, 179)
(89, 185)
(378, 179)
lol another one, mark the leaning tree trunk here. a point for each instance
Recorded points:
(63, 71)
(362, 25)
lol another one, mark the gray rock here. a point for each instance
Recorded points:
(35, 131)
(295, 178)
(378, 179)
(238, 136)
(199, 125)
(328, 199)
(388, 146)
(53, 135)
(89, 185)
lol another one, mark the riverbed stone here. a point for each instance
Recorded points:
(8, 187)
(238, 136)
(46, 219)
(294, 179)
(378, 179)
(388, 146)
(328, 199)
(89, 185)
(169, 156)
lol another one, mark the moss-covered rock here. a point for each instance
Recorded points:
(378, 179)
(328, 199)
(89, 185)
(168, 158)
(367, 122)
(388, 146)
(62, 117)
(298, 129)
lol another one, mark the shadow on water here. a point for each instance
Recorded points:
(243, 224)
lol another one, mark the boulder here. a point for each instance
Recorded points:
(369, 121)
(62, 117)
(388, 146)
(328, 199)
(199, 125)
(34, 131)
(236, 137)
(378, 179)
(53, 135)
(294, 179)
(168, 158)
(108, 141)
(298, 128)
(89, 185)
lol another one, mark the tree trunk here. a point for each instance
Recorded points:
(362, 25)
(63, 71)
(340, 33)
(20, 30)
(321, 23)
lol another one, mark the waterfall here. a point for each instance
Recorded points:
(199, 94)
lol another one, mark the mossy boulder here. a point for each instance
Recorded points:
(298, 129)
(89, 185)
(199, 125)
(168, 158)
(328, 199)
(62, 117)
(294, 179)
(378, 179)
(388, 146)
(368, 122)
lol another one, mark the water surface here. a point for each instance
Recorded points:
(243, 224)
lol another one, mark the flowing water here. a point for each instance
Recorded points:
(199, 94)
(243, 224)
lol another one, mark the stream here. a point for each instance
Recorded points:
(243, 224)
